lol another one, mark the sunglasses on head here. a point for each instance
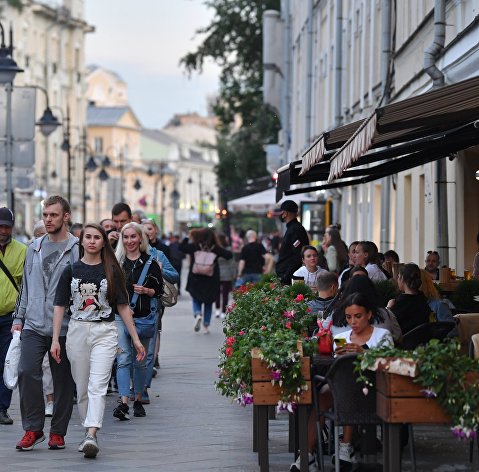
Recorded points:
(433, 252)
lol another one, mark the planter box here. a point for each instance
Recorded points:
(399, 400)
(264, 393)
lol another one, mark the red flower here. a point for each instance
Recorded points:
(299, 298)
(308, 310)
(288, 325)
(230, 341)
(242, 332)
(229, 351)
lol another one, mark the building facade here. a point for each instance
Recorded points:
(49, 44)
(338, 61)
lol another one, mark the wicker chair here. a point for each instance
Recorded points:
(350, 405)
(422, 334)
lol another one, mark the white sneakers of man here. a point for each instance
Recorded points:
(296, 467)
(198, 320)
(49, 409)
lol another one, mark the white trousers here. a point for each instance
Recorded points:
(91, 349)
(47, 376)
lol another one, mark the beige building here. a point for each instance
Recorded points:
(49, 45)
(168, 174)
(329, 63)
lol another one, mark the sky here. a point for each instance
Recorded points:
(143, 41)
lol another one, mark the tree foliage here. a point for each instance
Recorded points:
(234, 40)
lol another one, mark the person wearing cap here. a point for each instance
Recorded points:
(12, 258)
(295, 237)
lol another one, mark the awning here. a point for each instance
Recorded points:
(260, 202)
(435, 124)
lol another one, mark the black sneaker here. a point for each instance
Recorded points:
(138, 409)
(5, 417)
(122, 412)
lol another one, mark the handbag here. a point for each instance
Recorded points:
(204, 263)
(325, 339)
(145, 326)
(169, 297)
(10, 369)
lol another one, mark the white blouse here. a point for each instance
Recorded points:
(309, 277)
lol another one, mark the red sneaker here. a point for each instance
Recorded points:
(56, 441)
(30, 439)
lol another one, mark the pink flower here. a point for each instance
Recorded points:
(230, 308)
(276, 375)
(299, 298)
(308, 310)
(263, 328)
(229, 351)
(242, 332)
(288, 325)
(230, 341)
(289, 314)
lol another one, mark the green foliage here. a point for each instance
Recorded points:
(386, 290)
(464, 295)
(234, 40)
(443, 374)
(271, 317)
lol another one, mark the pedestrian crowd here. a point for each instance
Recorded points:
(89, 299)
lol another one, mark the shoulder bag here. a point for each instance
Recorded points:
(169, 297)
(146, 326)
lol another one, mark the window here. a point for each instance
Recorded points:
(98, 145)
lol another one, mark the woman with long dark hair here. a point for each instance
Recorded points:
(203, 288)
(366, 255)
(335, 250)
(94, 289)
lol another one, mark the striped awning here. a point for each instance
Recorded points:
(407, 123)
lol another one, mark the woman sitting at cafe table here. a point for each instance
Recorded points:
(382, 317)
(410, 307)
(362, 335)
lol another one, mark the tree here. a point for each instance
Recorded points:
(234, 40)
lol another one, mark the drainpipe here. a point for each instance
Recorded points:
(285, 93)
(338, 116)
(433, 51)
(430, 55)
(309, 74)
(386, 56)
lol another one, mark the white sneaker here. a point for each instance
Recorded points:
(296, 467)
(90, 447)
(222, 316)
(217, 313)
(49, 409)
(346, 453)
(198, 320)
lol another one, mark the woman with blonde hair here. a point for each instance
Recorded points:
(144, 284)
(440, 307)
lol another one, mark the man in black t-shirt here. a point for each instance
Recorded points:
(295, 237)
(250, 267)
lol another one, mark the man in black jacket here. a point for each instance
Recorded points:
(295, 237)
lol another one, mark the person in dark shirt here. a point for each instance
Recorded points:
(410, 307)
(250, 267)
(295, 237)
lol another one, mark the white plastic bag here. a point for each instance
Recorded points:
(10, 369)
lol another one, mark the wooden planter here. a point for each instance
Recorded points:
(400, 400)
(264, 393)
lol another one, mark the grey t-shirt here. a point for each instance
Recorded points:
(51, 253)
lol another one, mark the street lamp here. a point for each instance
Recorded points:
(8, 70)
(48, 122)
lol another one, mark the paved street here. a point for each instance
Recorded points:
(188, 426)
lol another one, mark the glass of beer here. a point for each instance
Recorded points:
(467, 275)
(453, 274)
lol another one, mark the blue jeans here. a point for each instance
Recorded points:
(252, 278)
(126, 358)
(5, 338)
(150, 360)
(207, 313)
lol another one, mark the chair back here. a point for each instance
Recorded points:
(422, 334)
(351, 406)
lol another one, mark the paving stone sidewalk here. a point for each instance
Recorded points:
(189, 427)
